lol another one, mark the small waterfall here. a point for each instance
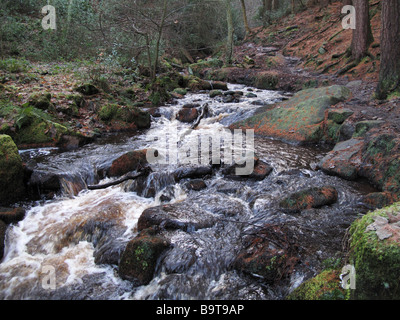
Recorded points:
(76, 236)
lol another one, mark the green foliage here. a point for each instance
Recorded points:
(13, 65)
(28, 115)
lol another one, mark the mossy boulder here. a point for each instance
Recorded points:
(40, 133)
(310, 198)
(381, 161)
(139, 259)
(41, 101)
(87, 89)
(363, 127)
(301, 118)
(375, 254)
(324, 286)
(267, 80)
(200, 68)
(128, 114)
(11, 172)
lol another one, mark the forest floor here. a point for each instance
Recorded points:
(314, 44)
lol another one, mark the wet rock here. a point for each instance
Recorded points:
(215, 93)
(12, 186)
(12, 215)
(219, 85)
(3, 230)
(196, 185)
(310, 198)
(183, 216)
(266, 254)
(187, 115)
(149, 186)
(260, 172)
(375, 252)
(345, 159)
(139, 260)
(192, 172)
(131, 161)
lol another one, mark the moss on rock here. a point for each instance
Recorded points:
(375, 253)
(11, 171)
(139, 260)
(324, 286)
(303, 118)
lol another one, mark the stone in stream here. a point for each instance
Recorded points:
(310, 198)
(196, 185)
(268, 254)
(260, 172)
(131, 161)
(12, 215)
(12, 186)
(187, 115)
(139, 260)
(183, 216)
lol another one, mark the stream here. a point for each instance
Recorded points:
(78, 235)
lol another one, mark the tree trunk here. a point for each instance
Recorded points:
(362, 35)
(229, 41)
(159, 36)
(390, 49)
(246, 22)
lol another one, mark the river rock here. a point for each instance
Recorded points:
(183, 216)
(260, 172)
(192, 172)
(345, 159)
(139, 260)
(196, 185)
(131, 161)
(12, 215)
(301, 119)
(310, 198)
(187, 115)
(12, 186)
(267, 255)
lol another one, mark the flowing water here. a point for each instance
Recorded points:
(77, 237)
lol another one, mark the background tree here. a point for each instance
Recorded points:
(389, 77)
(362, 34)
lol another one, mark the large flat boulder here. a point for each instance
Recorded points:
(303, 118)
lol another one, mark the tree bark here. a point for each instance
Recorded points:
(245, 20)
(362, 35)
(390, 49)
(229, 41)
